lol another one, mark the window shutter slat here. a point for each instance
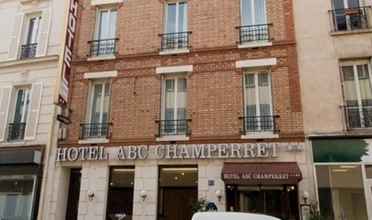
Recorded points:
(33, 117)
(44, 34)
(16, 35)
(4, 106)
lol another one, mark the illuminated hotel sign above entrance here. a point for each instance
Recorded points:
(175, 151)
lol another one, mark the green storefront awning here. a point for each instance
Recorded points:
(339, 150)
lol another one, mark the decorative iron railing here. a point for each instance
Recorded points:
(28, 51)
(252, 33)
(173, 127)
(16, 131)
(349, 19)
(173, 41)
(265, 123)
(95, 130)
(103, 47)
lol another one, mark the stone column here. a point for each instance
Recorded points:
(146, 179)
(94, 178)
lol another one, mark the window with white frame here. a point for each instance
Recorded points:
(176, 35)
(258, 102)
(174, 106)
(98, 110)
(16, 129)
(105, 35)
(357, 86)
(254, 25)
(31, 36)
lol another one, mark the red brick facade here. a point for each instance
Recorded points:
(215, 91)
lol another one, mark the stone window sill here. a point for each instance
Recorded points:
(174, 51)
(94, 141)
(259, 135)
(255, 44)
(343, 33)
(173, 138)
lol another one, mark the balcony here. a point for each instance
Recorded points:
(103, 48)
(16, 131)
(350, 19)
(28, 51)
(178, 128)
(358, 117)
(175, 42)
(260, 126)
(254, 35)
(95, 131)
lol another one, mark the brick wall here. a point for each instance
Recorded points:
(215, 92)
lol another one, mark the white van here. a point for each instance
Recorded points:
(230, 216)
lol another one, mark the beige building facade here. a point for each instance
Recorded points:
(334, 54)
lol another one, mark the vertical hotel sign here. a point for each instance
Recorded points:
(67, 52)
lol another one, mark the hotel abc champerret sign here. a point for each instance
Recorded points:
(175, 151)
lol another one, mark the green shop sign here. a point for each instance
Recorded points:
(341, 150)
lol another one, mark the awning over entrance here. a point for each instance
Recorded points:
(276, 173)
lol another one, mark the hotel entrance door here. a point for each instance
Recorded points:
(278, 201)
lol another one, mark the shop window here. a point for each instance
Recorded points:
(369, 171)
(120, 195)
(178, 191)
(341, 192)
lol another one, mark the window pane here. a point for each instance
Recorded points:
(21, 108)
(350, 90)
(246, 12)
(96, 103)
(171, 18)
(170, 95)
(341, 192)
(365, 85)
(181, 94)
(33, 30)
(104, 25)
(260, 13)
(353, 3)
(182, 20)
(250, 98)
(113, 23)
(264, 94)
(106, 103)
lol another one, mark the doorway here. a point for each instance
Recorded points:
(73, 194)
(178, 192)
(278, 201)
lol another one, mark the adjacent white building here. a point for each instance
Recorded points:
(30, 44)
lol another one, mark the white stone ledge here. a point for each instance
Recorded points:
(174, 69)
(255, 44)
(175, 51)
(98, 58)
(94, 141)
(259, 135)
(105, 2)
(256, 63)
(173, 138)
(100, 75)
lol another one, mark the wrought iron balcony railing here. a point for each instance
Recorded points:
(16, 131)
(358, 117)
(174, 41)
(349, 19)
(103, 47)
(95, 130)
(265, 123)
(252, 33)
(173, 127)
(28, 51)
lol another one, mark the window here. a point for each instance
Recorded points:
(105, 36)
(341, 192)
(174, 106)
(357, 94)
(349, 15)
(176, 35)
(31, 36)
(254, 25)
(98, 112)
(258, 103)
(120, 196)
(16, 129)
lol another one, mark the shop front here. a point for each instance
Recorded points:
(167, 182)
(344, 177)
(20, 175)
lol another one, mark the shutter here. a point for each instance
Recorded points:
(33, 116)
(5, 94)
(16, 36)
(44, 33)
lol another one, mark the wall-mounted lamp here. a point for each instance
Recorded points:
(219, 195)
(90, 195)
(306, 196)
(143, 195)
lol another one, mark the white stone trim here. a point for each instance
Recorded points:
(105, 2)
(256, 63)
(100, 75)
(255, 44)
(259, 135)
(94, 141)
(97, 58)
(175, 51)
(174, 69)
(173, 138)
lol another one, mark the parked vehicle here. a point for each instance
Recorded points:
(231, 216)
